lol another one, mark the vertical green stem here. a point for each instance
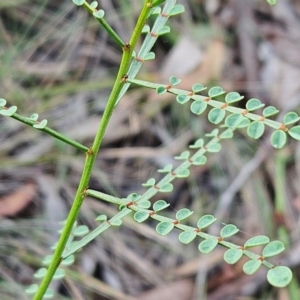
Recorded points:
(92, 153)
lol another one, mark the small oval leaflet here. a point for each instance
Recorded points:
(199, 160)
(34, 117)
(150, 182)
(254, 104)
(214, 133)
(270, 111)
(78, 2)
(146, 29)
(278, 139)
(231, 256)
(101, 218)
(166, 188)
(198, 144)
(160, 205)
(257, 241)
(144, 204)
(183, 173)
(9, 112)
(32, 289)
(273, 248)
(59, 274)
(214, 148)
(161, 90)
(198, 107)
(149, 56)
(81, 230)
(141, 216)
(187, 236)
(207, 246)
(245, 123)
(197, 87)
(205, 221)
(163, 30)
(183, 214)
(294, 132)
(94, 4)
(99, 14)
(68, 261)
(47, 260)
(233, 97)
(227, 134)
(290, 118)
(272, 2)
(182, 98)
(216, 115)
(163, 228)
(116, 223)
(174, 80)
(133, 197)
(183, 156)
(280, 276)
(256, 129)
(49, 294)
(40, 273)
(41, 125)
(176, 10)
(233, 120)
(229, 230)
(251, 266)
(168, 168)
(215, 91)
(2, 102)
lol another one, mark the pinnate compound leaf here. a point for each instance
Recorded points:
(32, 289)
(198, 107)
(199, 160)
(279, 276)
(198, 144)
(231, 256)
(216, 115)
(161, 90)
(150, 182)
(78, 2)
(256, 129)
(116, 223)
(81, 230)
(229, 230)
(187, 236)
(294, 132)
(233, 97)
(183, 173)
(101, 218)
(233, 120)
(290, 118)
(168, 168)
(160, 205)
(163, 228)
(197, 87)
(8, 112)
(215, 92)
(254, 104)
(41, 125)
(174, 80)
(270, 111)
(176, 10)
(273, 248)
(257, 241)
(2, 102)
(40, 273)
(144, 204)
(68, 261)
(206, 221)
(181, 99)
(183, 214)
(141, 216)
(163, 30)
(166, 188)
(278, 139)
(251, 266)
(59, 274)
(183, 156)
(99, 14)
(207, 246)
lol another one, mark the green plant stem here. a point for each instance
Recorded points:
(51, 132)
(105, 25)
(92, 154)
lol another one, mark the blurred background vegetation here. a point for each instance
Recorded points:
(55, 60)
